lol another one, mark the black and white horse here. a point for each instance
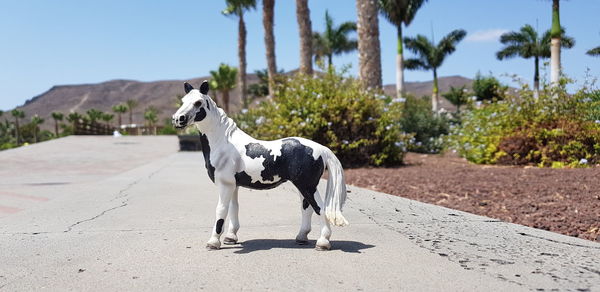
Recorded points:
(233, 159)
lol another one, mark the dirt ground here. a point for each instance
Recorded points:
(566, 201)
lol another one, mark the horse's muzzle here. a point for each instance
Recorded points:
(180, 122)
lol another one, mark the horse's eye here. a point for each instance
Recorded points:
(198, 104)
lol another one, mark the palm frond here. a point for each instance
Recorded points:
(400, 11)
(594, 52)
(447, 45)
(509, 52)
(419, 45)
(238, 7)
(411, 10)
(416, 64)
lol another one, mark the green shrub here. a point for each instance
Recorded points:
(360, 126)
(167, 128)
(488, 88)
(554, 131)
(427, 127)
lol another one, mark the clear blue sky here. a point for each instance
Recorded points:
(45, 43)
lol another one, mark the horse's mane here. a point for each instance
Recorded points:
(225, 123)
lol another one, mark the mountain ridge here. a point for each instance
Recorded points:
(162, 94)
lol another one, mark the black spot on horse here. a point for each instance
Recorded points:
(219, 227)
(296, 164)
(200, 115)
(243, 179)
(206, 153)
(305, 204)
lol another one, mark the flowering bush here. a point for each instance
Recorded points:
(360, 126)
(555, 130)
(429, 128)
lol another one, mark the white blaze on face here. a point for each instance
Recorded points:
(187, 102)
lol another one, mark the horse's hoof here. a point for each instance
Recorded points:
(301, 242)
(323, 248)
(229, 241)
(213, 244)
(212, 247)
(323, 244)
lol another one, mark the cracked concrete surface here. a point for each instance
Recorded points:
(133, 214)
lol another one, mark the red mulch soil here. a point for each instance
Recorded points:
(566, 201)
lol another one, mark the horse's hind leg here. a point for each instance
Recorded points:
(307, 210)
(323, 241)
(234, 222)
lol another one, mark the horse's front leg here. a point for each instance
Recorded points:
(226, 191)
(234, 222)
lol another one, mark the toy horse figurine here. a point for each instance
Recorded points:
(233, 159)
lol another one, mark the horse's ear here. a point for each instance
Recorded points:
(187, 87)
(204, 87)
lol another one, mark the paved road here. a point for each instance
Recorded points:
(99, 213)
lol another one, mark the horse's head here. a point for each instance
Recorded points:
(194, 108)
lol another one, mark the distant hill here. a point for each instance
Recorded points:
(162, 95)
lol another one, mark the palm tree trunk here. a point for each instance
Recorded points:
(303, 18)
(120, 122)
(35, 134)
(369, 52)
(225, 94)
(56, 127)
(130, 117)
(270, 43)
(434, 95)
(329, 60)
(17, 131)
(400, 65)
(536, 79)
(242, 57)
(555, 44)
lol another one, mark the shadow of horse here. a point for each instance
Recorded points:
(267, 244)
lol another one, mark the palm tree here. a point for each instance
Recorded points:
(458, 96)
(151, 117)
(270, 43)
(369, 51)
(106, 117)
(94, 115)
(18, 114)
(334, 40)
(119, 109)
(223, 80)
(555, 34)
(431, 56)
(56, 116)
(305, 29)
(237, 8)
(594, 52)
(399, 12)
(74, 117)
(36, 121)
(526, 44)
(131, 104)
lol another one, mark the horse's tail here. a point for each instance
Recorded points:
(335, 196)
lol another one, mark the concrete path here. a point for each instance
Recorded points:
(99, 213)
